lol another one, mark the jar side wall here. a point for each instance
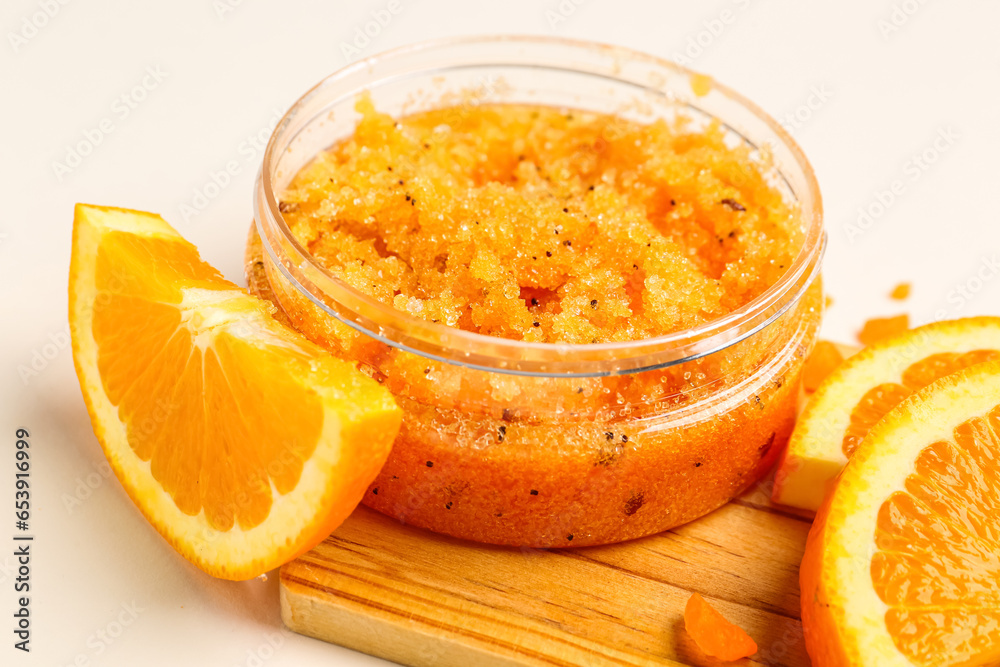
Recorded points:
(549, 485)
(599, 480)
(529, 398)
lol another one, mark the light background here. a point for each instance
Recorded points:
(884, 78)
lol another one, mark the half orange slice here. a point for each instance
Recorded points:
(865, 387)
(902, 565)
(243, 443)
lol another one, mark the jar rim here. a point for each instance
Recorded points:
(452, 345)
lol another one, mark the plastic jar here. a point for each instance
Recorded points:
(537, 444)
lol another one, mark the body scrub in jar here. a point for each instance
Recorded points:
(590, 289)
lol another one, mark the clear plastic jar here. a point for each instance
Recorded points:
(538, 444)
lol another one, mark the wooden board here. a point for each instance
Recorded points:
(418, 598)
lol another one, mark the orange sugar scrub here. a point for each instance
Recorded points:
(594, 322)
(544, 225)
(530, 223)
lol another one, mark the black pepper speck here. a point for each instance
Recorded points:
(633, 504)
(766, 447)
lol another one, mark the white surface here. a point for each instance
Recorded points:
(226, 76)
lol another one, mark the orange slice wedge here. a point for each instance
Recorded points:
(241, 442)
(902, 566)
(864, 388)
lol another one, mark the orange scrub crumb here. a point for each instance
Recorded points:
(714, 634)
(701, 84)
(824, 358)
(900, 292)
(880, 328)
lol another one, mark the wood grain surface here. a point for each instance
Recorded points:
(417, 598)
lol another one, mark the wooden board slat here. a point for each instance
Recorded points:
(419, 599)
